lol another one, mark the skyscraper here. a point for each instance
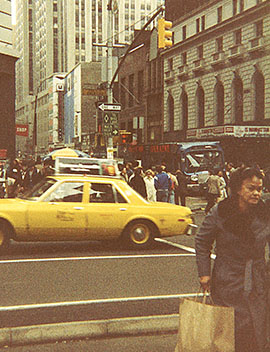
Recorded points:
(53, 36)
(7, 82)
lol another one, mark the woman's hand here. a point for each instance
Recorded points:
(205, 283)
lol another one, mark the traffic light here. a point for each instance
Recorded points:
(164, 34)
(126, 137)
(60, 134)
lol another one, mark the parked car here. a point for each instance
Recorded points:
(79, 208)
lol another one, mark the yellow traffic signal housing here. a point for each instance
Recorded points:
(164, 34)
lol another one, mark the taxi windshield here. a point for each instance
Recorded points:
(38, 189)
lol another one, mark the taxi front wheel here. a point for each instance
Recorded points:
(139, 233)
(4, 235)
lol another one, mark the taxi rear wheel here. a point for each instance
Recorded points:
(4, 235)
(139, 233)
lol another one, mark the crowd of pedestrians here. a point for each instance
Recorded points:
(22, 175)
(218, 181)
(156, 183)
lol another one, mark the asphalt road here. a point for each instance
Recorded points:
(46, 283)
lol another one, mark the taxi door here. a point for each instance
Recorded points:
(61, 216)
(107, 211)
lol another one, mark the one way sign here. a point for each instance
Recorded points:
(109, 107)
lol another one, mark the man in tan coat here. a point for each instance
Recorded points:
(214, 190)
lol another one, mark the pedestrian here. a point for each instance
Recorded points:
(137, 181)
(123, 172)
(213, 190)
(129, 170)
(163, 184)
(223, 186)
(31, 176)
(173, 187)
(240, 227)
(14, 174)
(150, 186)
(181, 189)
(229, 170)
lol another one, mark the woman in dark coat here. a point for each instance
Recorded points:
(241, 228)
(137, 181)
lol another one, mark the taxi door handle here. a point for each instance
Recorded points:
(123, 209)
(78, 208)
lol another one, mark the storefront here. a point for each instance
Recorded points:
(249, 144)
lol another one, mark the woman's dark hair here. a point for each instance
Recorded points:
(238, 177)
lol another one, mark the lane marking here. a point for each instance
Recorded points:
(40, 260)
(97, 301)
(185, 248)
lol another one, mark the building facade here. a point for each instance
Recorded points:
(217, 78)
(8, 58)
(53, 36)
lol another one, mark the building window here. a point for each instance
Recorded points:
(123, 93)
(203, 23)
(234, 6)
(237, 100)
(149, 76)
(259, 29)
(140, 86)
(184, 32)
(241, 5)
(184, 111)
(200, 52)
(170, 113)
(184, 58)
(197, 25)
(219, 44)
(200, 107)
(258, 90)
(170, 64)
(131, 90)
(219, 14)
(238, 37)
(219, 103)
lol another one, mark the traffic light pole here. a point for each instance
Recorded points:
(109, 71)
(160, 9)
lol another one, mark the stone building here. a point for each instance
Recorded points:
(217, 78)
(8, 58)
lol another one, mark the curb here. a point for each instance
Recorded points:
(35, 334)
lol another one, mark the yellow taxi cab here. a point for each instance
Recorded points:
(81, 208)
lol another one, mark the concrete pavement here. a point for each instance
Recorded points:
(102, 329)
(154, 330)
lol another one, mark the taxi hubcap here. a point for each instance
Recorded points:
(140, 234)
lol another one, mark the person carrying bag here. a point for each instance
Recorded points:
(240, 228)
(205, 327)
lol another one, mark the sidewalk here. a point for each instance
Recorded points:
(90, 332)
(144, 343)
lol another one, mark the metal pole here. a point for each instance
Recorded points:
(109, 72)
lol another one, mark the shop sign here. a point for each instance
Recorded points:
(135, 148)
(234, 131)
(22, 130)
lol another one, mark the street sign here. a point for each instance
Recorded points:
(110, 123)
(109, 107)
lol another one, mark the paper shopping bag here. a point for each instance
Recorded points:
(205, 327)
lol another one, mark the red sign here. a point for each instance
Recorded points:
(3, 153)
(21, 130)
(160, 148)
